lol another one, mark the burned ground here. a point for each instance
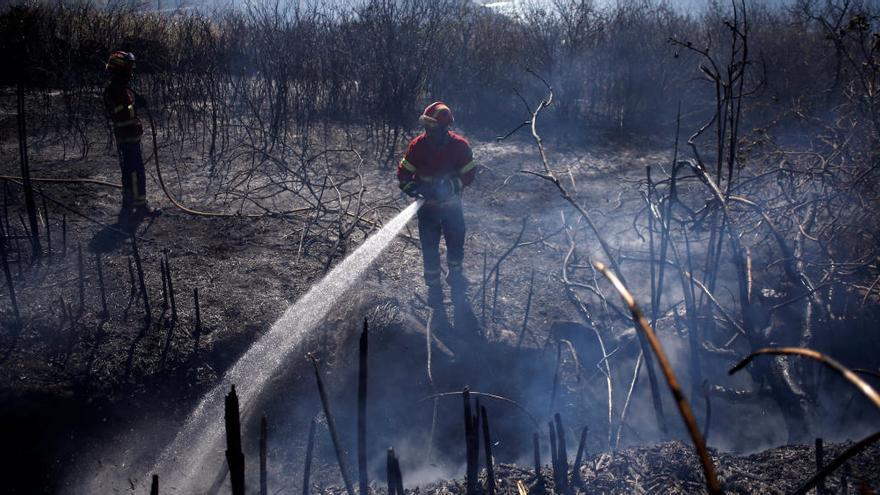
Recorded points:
(746, 218)
(83, 388)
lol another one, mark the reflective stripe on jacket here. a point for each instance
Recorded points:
(119, 103)
(425, 163)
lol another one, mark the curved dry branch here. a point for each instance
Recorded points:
(684, 408)
(847, 373)
(867, 372)
(549, 176)
(491, 396)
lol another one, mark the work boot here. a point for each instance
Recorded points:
(139, 213)
(457, 282)
(435, 296)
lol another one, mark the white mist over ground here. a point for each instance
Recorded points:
(194, 458)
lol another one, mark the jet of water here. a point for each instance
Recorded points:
(182, 462)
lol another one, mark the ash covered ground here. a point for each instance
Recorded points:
(723, 163)
(91, 399)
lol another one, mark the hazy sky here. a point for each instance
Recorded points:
(683, 4)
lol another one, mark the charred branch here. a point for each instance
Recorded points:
(331, 425)
(234, 455)
(684, 408)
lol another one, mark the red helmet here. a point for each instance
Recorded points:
(437, 113)
(120, 62)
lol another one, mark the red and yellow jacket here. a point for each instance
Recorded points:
(426, 163)
(119, 102)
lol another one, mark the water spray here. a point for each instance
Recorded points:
(182, 463)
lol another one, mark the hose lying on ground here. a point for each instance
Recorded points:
(171, 198)
(165, 190)
(63, 180)
(212, 214)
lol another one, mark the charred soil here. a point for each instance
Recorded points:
(78, 386)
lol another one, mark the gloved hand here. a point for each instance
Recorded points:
(412, 190)
(456, 185)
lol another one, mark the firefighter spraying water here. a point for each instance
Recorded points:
(437, 166)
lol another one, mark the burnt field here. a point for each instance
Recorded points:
(674, 217)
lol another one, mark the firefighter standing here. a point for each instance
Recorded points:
(119, 101)
(438, 164)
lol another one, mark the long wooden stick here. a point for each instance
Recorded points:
(398, 474)
(539, 480)
(393, 474)
(105, 313)
(562, 455)
(389, 471)
(579, 458)
(470, 454)
(820, 462)
(170, 286)
(525, 324)
(362, 413)
(234, 456)
(487, 445)
(684, 408)
(140, 273)
(331, 425)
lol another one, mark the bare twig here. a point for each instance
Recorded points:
(522, 332)
(363, 481)
(491, 396)
(331, 425)
(487, 445)
(684, 408)
(848, 374)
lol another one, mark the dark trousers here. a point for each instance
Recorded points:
(446, 220)
(131, 164)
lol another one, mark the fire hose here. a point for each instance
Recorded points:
(171, 198)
